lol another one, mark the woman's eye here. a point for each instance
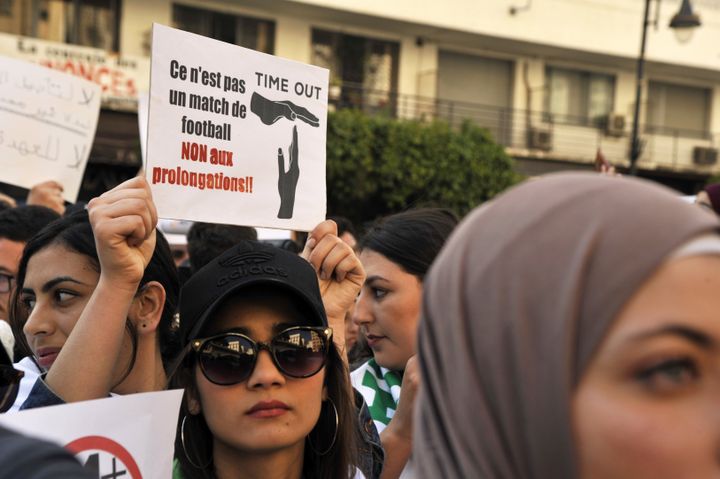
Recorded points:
(379, 293)
(28, 302)
(62, 296)
(669, 375)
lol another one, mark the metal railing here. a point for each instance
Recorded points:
(533, 134)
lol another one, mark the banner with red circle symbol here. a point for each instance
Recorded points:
(128, 437)
(94, 446)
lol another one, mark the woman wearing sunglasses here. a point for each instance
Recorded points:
(267, 391)
(396, 253)
(95, 298)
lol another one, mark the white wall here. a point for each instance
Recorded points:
(136, 23)
(293, 39)
(610, 27)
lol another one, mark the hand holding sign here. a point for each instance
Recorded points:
(47, 194)
(123, 221)
(340, 274)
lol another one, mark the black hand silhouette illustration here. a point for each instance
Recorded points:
(287, 181)
(271, 111)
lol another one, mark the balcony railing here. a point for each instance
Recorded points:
(533, 134)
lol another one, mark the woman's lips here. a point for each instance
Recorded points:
(46, 356)
(373, 340)
(268, 409)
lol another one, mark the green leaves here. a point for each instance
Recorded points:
(378, 166)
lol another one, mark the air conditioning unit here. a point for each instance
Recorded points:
(703, 155)
(540, 139)
(615, 125)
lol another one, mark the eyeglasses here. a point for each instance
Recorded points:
(229, 358)
(6, 282)
(9, 382)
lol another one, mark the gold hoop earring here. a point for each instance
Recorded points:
(182, 440)
(332, 443)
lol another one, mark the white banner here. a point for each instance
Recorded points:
(119, 77)
(129, 436)
(235, 136)
(47, 125)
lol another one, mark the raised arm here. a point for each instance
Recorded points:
(340, 274)
(123, 221)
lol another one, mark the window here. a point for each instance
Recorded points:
(239, 30)
(577, 97)
(6, 8)
(469, 78)
(678, 110)
(363, 71)
(91, 23)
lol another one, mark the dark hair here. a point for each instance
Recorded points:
(339, 462)
(207, 241)
(75, 233)
(344, 225)
(411, 239)
(22, 223)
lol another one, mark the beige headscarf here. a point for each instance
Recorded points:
(514, 308)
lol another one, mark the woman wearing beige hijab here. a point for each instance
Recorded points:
(571, 328)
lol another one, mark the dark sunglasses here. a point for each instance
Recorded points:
(229, 358)
(9, 384)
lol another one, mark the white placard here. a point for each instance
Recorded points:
(121, 77)
(133, 433)
(47, 125)
(235, 136)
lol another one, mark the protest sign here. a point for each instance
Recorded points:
(121, 77)
(129, 436)
(47, 125)
(235, 136)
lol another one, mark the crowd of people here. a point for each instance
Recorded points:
(564, 329)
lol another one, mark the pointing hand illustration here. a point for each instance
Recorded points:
(287, 181)
(271, 111)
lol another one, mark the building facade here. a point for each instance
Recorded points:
(553, 80)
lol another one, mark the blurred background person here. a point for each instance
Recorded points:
(17, 226)
(48, 194)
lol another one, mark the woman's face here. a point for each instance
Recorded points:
(648, 404)
(231, 412)
(388, 310)
(58, 285)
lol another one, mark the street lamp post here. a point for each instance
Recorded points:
(683, 24)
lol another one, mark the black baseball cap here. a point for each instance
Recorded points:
(249, 263)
